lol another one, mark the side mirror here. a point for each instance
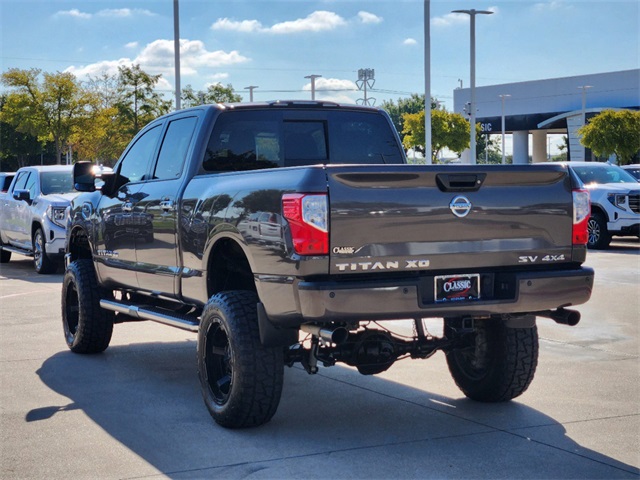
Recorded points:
(22, 195)
(84, 177)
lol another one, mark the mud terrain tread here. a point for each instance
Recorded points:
(91, 331)
(511, 362)
(258, 371)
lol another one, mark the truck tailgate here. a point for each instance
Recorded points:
(448, 218)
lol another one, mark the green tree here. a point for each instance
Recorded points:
(138, 103)
(489, 148)
(413, 104)
(613, 132)
(448, 130)
(216, 93)
(104, 134)
(15, 146)
(49, 109)
(564, 149)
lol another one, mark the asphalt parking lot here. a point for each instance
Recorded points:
(136, 410)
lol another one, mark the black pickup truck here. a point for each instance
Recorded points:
(289, 232)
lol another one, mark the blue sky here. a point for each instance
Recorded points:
(275, 44)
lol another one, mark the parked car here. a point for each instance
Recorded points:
(33, 215)
(5, 180)
(615, 201)
(633, 170)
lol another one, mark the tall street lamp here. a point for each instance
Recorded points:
(427, 82)
(176, 48)
(472, 120)
(503, 96)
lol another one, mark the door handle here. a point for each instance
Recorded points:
(127, 207)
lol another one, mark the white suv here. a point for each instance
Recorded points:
(615, 201)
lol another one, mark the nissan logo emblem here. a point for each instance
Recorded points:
(460, 206)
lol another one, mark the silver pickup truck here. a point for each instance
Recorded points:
(32, 215)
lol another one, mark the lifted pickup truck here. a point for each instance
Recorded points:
(290, 231)
(32, 215)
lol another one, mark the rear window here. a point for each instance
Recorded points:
(251, 140)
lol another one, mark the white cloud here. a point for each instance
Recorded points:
(124, 12)
(217, 77)
(245, 26)
(315, 22)
(410, 41)
(157, 57)
(550, 6)
(332, 84)
(109, 12)
(450, 19)
(109, 67)
(132, 45)
(318, 21)
(334, 90)
(366, 17)
(74, 13)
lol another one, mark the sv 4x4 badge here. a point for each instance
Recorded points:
(537, 258)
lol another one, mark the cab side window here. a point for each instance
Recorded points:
(21, 181)
(135, 163)
(31, 185)
(174, 148)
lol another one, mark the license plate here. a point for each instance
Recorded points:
(456, 288)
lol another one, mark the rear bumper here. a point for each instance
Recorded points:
(380, 300)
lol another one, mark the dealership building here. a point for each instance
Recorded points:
(552, 106)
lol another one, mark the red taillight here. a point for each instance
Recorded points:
(308, 222)
(581, 213)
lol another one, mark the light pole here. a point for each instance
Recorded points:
(313, 85)
(176, 48)
(427, 82)
(503, 96)
(251, 89)
(472, 120)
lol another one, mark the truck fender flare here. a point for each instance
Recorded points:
(214, 240)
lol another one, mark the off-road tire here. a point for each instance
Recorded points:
(500, 362)
(87, 327)
(41, 261)
(599, 237)
(241, 379)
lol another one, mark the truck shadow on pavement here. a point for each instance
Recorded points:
(22, 268)
(337, 424)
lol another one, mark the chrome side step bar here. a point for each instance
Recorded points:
(146, 312)
(19, 251)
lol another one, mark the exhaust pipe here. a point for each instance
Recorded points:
(337, 335)
(563, 316)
